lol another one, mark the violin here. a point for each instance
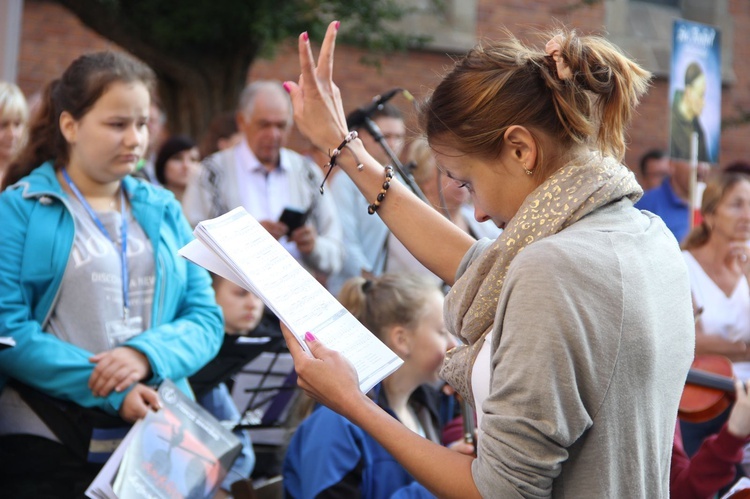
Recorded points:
(709, 389)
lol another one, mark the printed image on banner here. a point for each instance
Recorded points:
(695, 91)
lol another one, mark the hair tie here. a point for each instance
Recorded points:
(553, 48)
(366, 286)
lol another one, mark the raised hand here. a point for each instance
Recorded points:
(318, 110)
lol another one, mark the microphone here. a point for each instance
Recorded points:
(357, 117)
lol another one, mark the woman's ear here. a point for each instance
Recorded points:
(399, 340)
(708, 221)
(520, 146)
(68, 127)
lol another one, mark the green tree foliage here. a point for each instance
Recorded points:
(201, 50)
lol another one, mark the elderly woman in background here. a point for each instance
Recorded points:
(718, 259)
(14, 113)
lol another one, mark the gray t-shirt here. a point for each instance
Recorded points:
(89, 310)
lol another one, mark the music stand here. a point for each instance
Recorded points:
(235, 353)
(265, 391)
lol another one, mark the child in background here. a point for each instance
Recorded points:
(331, 457)
(101, 307)
(243, 315)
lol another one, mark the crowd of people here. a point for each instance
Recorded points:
(515, 265)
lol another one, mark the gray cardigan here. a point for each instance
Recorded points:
(591, 345)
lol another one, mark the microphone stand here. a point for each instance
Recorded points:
(377, 134)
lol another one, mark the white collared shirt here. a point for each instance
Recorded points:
(264, 193)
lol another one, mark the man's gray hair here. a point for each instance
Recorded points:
(251, 91)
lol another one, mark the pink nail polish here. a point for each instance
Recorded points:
(305, 36)
(309, 336)
(338, 23)
(286, 86)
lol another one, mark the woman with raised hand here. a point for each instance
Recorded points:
(577, 319)
(101, 307)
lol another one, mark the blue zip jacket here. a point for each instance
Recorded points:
(330, 457)
(37, 230)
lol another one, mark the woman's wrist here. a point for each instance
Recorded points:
(352, 155)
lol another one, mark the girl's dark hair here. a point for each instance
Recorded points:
(76, 92)
(173, 145)
(508, 83)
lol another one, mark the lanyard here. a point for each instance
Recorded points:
(103, 229)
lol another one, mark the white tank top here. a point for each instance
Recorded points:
(480, 379)
(725, 316)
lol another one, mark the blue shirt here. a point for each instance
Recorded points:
(675, 211)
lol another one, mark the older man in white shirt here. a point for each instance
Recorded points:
(265, 178)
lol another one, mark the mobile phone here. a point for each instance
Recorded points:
(293, 218)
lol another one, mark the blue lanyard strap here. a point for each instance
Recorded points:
(103, 229)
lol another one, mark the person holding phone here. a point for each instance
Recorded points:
(266, 178)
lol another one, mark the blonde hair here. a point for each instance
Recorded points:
(388, 300)
(716, 190)
(12, 102)
(420, 156)
(507, 83)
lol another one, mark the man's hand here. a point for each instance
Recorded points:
(276, 229)
(305, 237)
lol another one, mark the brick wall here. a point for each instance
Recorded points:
(51, 38)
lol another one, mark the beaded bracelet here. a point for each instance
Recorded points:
(381, 195)
(335, 154)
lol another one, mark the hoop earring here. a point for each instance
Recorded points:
(528, 172)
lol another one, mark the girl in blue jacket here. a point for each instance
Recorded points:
(92, 290)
